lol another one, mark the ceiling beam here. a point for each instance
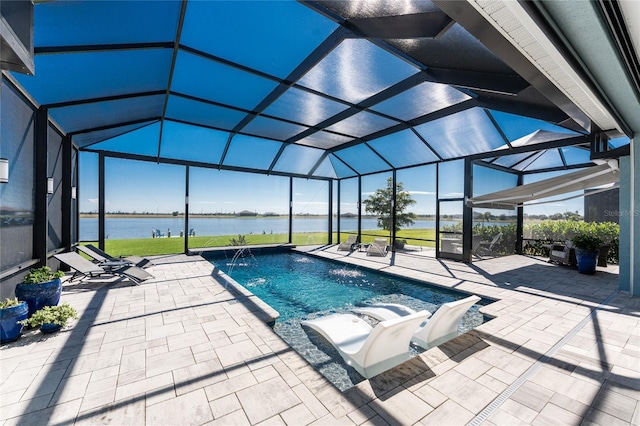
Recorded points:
(417, 25)
(103, 99)
(83, 48)
(114, 125)
(530, 148)
(174, 58)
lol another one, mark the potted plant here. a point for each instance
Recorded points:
(11, 312)
(51, 318)
(587, 248)
(40, 287)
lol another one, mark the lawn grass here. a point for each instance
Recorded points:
(158, 246)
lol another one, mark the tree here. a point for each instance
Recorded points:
(379, 203)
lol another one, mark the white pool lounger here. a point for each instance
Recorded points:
(442, 326)
(369, 350)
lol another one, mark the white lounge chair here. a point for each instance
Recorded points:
(350, 244)
(442, 326)
(379, 247)
(369, 350)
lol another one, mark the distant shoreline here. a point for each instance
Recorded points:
(170, 216)
(219, 216)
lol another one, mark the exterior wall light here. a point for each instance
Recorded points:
(4, 170)
(50, 185)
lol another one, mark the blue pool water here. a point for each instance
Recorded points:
(299, 287)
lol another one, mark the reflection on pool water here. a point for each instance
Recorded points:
(300, 287)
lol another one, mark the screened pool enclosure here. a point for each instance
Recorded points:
(288, 113)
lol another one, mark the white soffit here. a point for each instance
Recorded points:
(513, 22)
(631, 12)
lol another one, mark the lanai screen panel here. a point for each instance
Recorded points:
(341, 168)
(340, 74)
(143, 141)
(96, 136)
(298, 159)
(85, 76)
(304, 107)
(192, 143)
(362, 124)
(18, 196)
(76, 118)
(515, 126)
(54, 200)
(573, 155)
(403, 149)
(70, 23)
(464, 133)
(273, 37)
(421, 100)
(325, 169)
(209, 80)
(273, 129)
(251, 152)
(362, 159)
(325, 74)
(202, 113)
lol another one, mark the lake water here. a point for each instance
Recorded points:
(126, 227)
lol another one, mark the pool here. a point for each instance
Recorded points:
(297, 285)
(300, 287)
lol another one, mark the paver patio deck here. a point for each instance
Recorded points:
(185, 348)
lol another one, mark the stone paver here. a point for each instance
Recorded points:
(185, 348)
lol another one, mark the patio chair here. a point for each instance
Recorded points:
(564, 254)
(442, 326)
(486, 247)
(369, 350)
(350, 244)
(157, 233)
(379, 247)
(192, 232)
(84, 268)
(102, 256)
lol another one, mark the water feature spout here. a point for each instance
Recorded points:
(237, 255)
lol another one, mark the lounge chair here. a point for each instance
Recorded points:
(369, 350)
(192, 232)
(442, 326)
(486, 247)
(156, 233)
(350, 244)
(101, 256)
(85, 268)
(379, 247)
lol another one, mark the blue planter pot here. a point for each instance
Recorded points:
(587, 261)
(40, 295)
(50, 328)
(9, 328)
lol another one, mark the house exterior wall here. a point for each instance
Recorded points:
(629, 278)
